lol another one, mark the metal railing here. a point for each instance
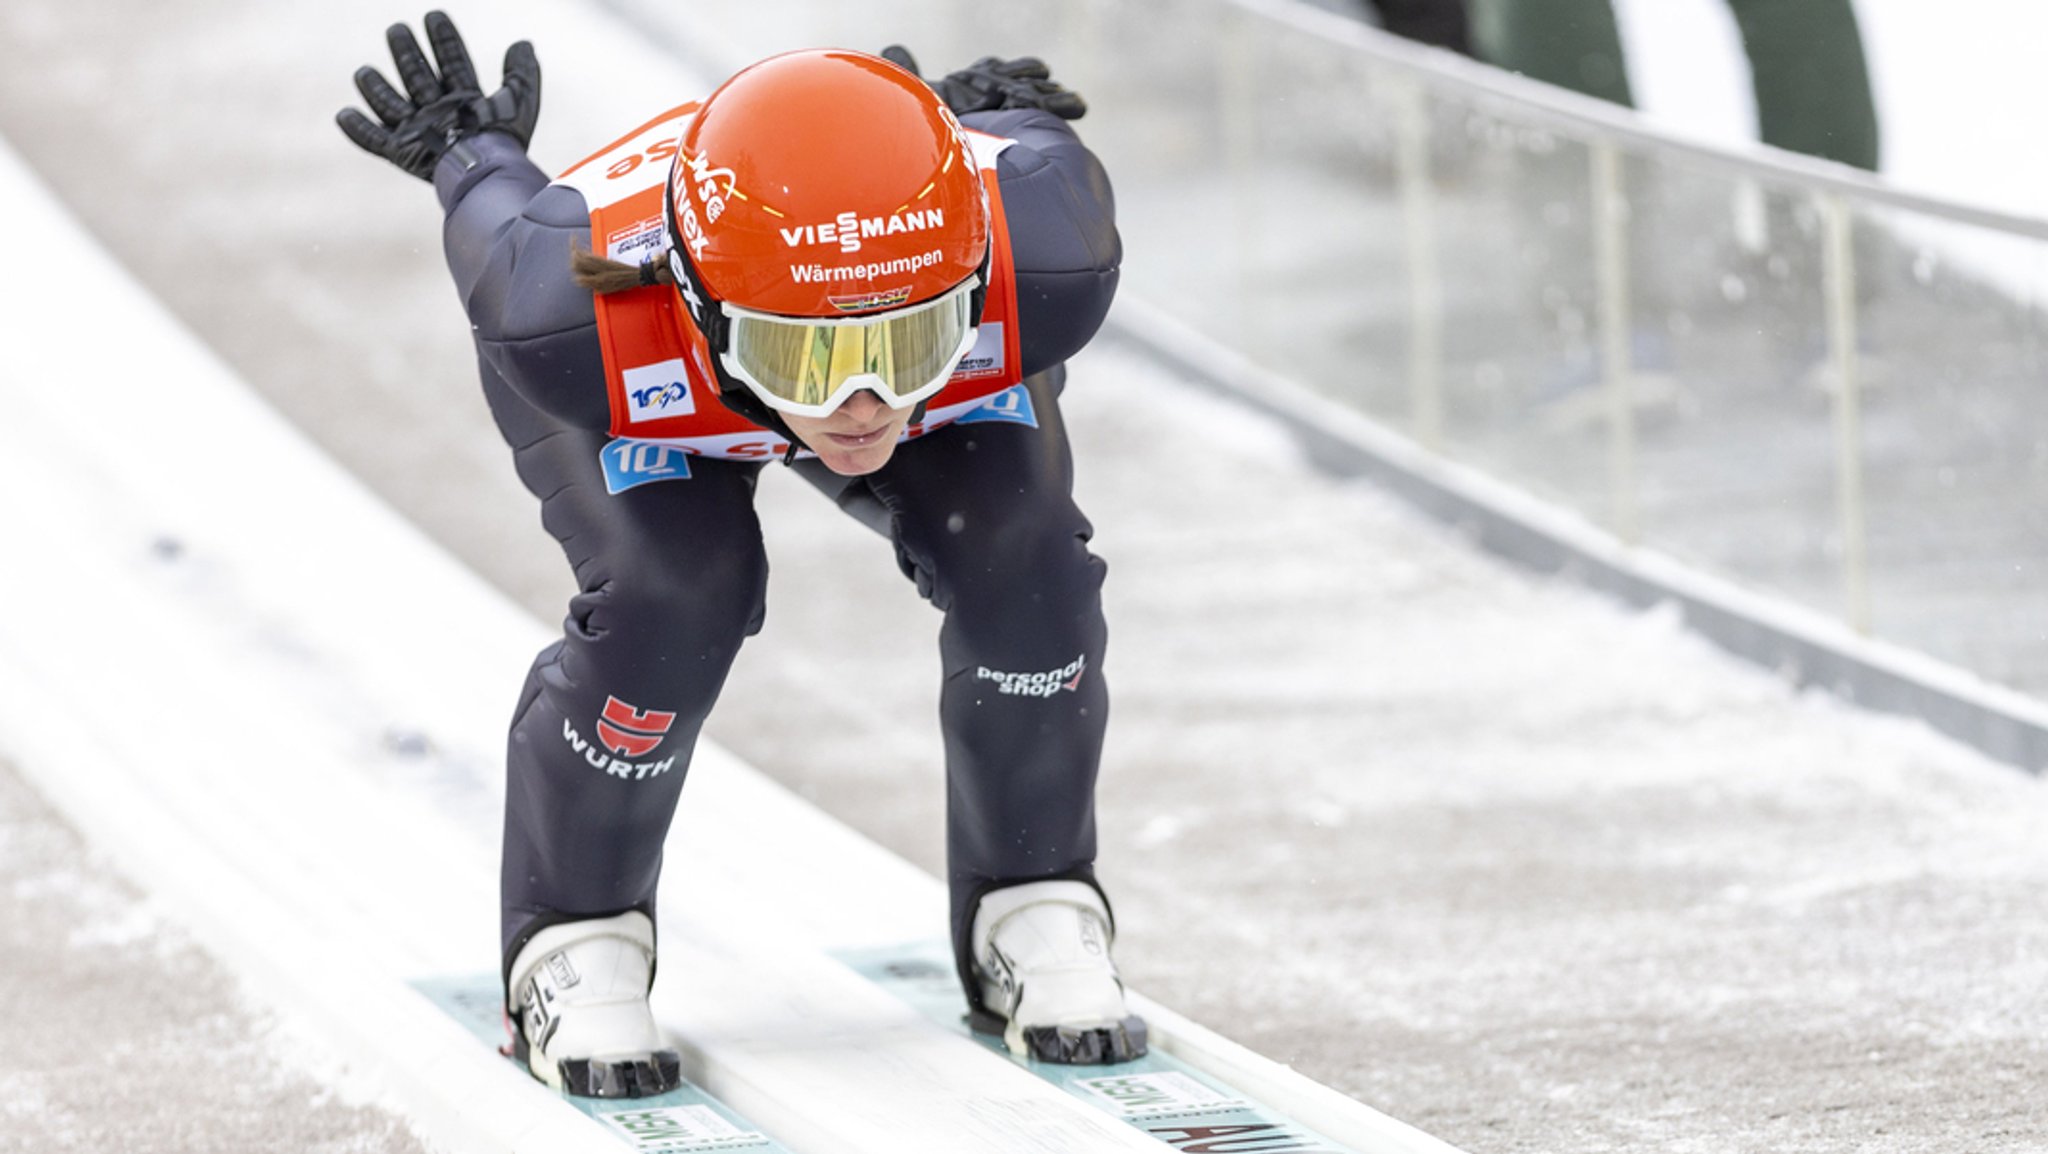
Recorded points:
(1829, 205)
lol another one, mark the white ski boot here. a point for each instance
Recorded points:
(1048, 986)
(580, 989)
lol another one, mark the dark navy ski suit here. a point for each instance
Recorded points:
(672, 574)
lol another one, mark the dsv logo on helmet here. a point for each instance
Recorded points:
(707, 179)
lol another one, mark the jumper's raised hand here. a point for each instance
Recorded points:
(991, 83)
(439, 108)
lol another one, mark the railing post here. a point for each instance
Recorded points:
(1610, 261)
(1425, 279)
(1839, 282)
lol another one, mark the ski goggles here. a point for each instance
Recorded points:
(809, 366)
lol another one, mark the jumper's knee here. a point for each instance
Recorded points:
(1022, 555)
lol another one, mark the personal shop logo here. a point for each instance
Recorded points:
(1045, 683)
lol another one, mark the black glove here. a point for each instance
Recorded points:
(992, 82)
(443, 108)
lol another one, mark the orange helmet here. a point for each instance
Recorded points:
(829, 231)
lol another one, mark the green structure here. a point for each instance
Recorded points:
(1806, 60)
(1812, 82)
(1570, 43)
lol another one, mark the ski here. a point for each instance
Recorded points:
(685, 1120)
(1160, 1095)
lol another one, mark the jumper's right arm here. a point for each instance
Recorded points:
(508, 235)
(508, 238)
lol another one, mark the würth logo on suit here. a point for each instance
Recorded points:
(627, 732)
(631, 732)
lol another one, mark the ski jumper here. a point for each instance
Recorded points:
(661, 533)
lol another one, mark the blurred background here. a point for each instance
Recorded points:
(1502, 858)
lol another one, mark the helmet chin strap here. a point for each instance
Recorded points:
(736, 396)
